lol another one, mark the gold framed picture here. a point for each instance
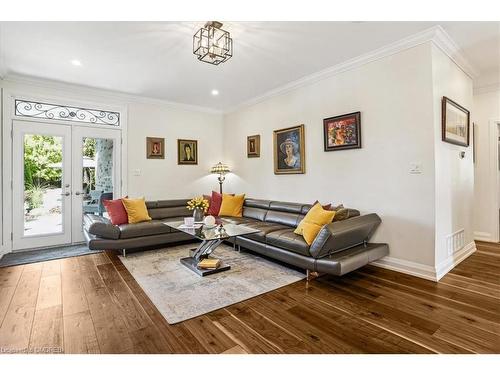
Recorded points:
(187, 151)
(289, 150)
(253, 146)
(155, 148)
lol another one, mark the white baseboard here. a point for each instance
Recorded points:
(484, 236)
(425, 271)
(405, 266)
(452, 261)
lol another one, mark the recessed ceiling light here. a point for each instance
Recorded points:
(76, 62)
(215, 92)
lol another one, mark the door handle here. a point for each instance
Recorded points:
(78, 193)
(66, 194)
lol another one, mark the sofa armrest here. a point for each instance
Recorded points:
(100, 227)
(341, 235)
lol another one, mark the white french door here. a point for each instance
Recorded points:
(41, 184)
(106, 173)
(59, 172)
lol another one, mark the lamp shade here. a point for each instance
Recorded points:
(220, 168)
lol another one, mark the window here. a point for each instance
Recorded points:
(47, 111)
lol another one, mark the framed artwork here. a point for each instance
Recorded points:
(187, 151)
(253, 146)
(342, 132)
(155, 148)
(455, 123)
(289, 150)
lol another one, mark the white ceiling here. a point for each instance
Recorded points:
(154, 59)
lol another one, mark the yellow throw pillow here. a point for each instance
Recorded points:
(232, 205)
(312, 223)
(136, 210)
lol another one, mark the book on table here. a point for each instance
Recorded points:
(209, 263)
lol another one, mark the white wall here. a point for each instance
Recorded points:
(163, 178)
(454, 176)
(486, 111)
(394, 95)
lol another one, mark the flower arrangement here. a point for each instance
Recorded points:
(198, 202)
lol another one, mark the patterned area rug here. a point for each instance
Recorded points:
(180, 294)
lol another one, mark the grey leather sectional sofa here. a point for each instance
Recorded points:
(339, 248)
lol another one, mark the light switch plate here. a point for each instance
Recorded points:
(415, 168)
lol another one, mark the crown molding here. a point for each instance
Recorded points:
(444, 41)
(102, 93)
(487, 89)
(435, 34)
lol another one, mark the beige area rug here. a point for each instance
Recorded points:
(180, 294)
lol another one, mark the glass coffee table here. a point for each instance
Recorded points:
(211, 238)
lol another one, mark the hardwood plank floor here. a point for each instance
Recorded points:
(91, 304)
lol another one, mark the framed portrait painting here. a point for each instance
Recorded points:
(253, 146)
(289, 150)
(155, 148)
(455, 122)
(342, 132)
(187, 151)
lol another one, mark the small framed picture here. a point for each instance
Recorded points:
(455, 123)
(253, 146)
(289, 150)
(187, 151)
(155, 148)
(342, 132)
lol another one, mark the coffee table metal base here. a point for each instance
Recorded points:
(192, 264)
(203, 251)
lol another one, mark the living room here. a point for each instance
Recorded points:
(200, 187)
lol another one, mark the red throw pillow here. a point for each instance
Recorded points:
(215, 203)
(116, 211)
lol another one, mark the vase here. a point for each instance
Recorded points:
(198, 215)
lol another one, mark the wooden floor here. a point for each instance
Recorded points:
(91, 304)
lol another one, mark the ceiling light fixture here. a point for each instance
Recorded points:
(76, 62)
(212, 44)
(215, 92)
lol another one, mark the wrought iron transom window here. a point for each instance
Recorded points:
(48, 111)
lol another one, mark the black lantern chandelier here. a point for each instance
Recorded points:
(212, 44)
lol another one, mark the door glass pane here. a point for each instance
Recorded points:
(97, 174)
(43, 176)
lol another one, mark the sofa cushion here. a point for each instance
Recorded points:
(167, 212)
(286, 207)
(167, 203)
(238, 220)
(285, 218)
(146, 228)
(254, 213)
(100, 226)
(257, 203)
(288, 240)
(264, 228)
